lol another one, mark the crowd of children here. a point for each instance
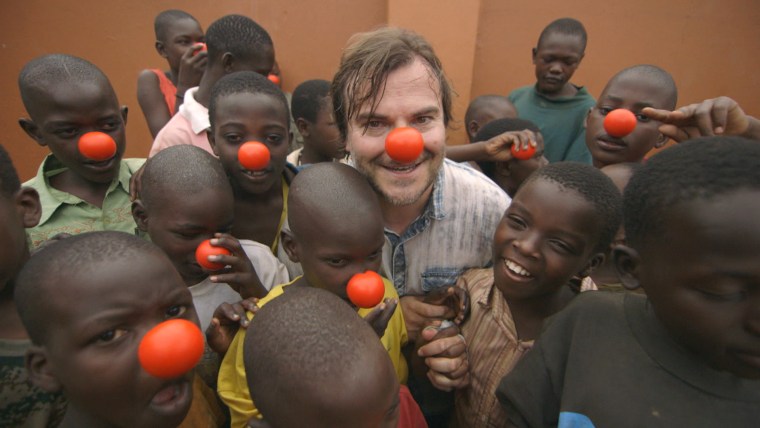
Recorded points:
(510, 283)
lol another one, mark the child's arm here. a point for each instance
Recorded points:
(228, 318)
(191, 68)
(497, 149)
(717, 116)
(152, 102)
(241, 275)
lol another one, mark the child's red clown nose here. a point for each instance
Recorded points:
(404, 145)
(97, 146)
(619, 122)
(253, 156)
(204, 250)
(366, 290)
(171, 348)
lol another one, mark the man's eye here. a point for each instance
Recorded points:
(374, 124)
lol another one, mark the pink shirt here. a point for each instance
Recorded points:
(188, 126)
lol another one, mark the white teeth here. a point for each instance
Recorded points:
(516, 269)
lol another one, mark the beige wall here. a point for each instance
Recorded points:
(710, 46)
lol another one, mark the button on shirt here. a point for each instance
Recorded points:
(454, 232)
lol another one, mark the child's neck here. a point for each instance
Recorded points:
(266, 207)
(529, 314)
(71, 182)
(309, 155)
(567, 91)
(11, 327)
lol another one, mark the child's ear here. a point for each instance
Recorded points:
(32, 130)
(228, 62)
(661, 140)
(124, 113)
(627, 261)
(596, 261)
(534, 51)
(160, 49)
(140, 215)
(289, 244)
(39, 370)
(303, 127)
(473, 128)
(28, 203)
(585, 119)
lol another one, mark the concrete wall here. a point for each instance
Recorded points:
(710, 46)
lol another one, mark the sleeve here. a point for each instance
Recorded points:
(269, 269)
(232, 385)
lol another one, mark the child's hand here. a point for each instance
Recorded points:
(191, 67)
(240, 275)
(444, 351)
(135, 181)
(455, 299)
(226, 321)
(379, 316)
(717, 116)
(418, 314)
(499, 148)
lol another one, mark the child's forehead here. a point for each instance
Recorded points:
(243, 103)
(556, 40)
(182, 25)
(553, 197)
(638, 88)
(66, 97)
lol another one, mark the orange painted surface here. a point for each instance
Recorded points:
(710, 46)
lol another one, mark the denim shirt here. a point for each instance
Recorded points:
(454, 232)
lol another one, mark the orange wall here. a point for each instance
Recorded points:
(710, 46)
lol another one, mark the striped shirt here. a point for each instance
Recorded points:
(454, 232)
(493, 349)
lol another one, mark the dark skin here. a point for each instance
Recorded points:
(60, 115)
(17, 212)
(702, 278)
(556, 58)
(258, 195)
(180, 224)
(94, 331)
(546, 238)
(321, 138)
(330, 254)
(182, 49)
(226, 63)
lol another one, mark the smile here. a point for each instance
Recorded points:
(517, 269)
